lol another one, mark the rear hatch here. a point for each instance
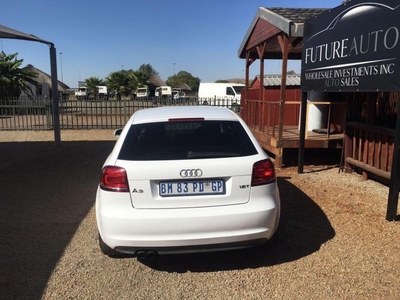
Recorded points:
(189, 162)
(189, 183)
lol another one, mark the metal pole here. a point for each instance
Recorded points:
(62, 77)
(302, 137)
(54, 93)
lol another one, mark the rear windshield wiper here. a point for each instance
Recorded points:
(205, 154)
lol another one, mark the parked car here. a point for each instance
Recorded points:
(185, 179)
(179, 96)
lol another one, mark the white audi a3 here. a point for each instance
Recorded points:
(185, 179)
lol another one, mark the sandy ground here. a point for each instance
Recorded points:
(66, 135)
(333, 241)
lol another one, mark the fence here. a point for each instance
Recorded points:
(369, 148)
(37, 113)
(25, 114)
(263, 116)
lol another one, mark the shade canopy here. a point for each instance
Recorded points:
(9, 33)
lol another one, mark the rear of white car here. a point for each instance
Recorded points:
(186, 179)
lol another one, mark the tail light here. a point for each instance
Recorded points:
(114, 179)
(263, 173)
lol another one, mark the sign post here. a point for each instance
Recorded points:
(355, 47)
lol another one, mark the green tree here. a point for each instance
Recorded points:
(148, 69)
(222, 81)
(184, 77)
(122, 83)
(13, 79)
(92, 82)
(141, 77)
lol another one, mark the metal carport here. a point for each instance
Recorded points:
(9, 33)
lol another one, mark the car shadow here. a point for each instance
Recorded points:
(46, 192)
(313, 157)
(302, 230)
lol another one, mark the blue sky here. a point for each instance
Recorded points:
(100, 37)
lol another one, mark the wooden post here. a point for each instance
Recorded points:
(348, 141)
(243, 98)
(245, 112)
(393, 198)
(348, 148)
(284, 44)
(260, 51)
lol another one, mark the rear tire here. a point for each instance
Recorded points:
(105, 249)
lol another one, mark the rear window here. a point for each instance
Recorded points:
(186, 140)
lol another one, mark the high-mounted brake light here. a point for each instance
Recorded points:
(114, 179)
(185, 119)
(263, 173)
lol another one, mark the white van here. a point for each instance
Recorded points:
(163, 91)
(82, 93)
(223, 94)
(143, 92)
(101, 91)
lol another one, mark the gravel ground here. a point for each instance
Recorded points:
(333, 241)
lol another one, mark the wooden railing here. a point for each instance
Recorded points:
(369, 148)
(263, 116)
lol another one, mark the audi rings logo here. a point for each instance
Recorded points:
(191, 173)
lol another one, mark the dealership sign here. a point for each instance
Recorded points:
(354, 47)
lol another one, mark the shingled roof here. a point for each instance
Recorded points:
(276, 80)
(44, 77)
(155, 81)
(287, 20)
(183, 86)
(296, 15)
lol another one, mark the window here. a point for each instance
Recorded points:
(238, 89)
(230, 91)
(186, 140)
(39, 90)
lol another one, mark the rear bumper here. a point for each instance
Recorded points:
(187, 229)
(189, 249)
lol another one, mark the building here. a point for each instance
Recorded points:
(272, 112)
(43, 88)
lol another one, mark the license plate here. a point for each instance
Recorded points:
(181, 188)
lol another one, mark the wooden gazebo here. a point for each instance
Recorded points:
(277, 33)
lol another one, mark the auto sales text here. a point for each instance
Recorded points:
(373, 41)
(349, 76)
(349, 72)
